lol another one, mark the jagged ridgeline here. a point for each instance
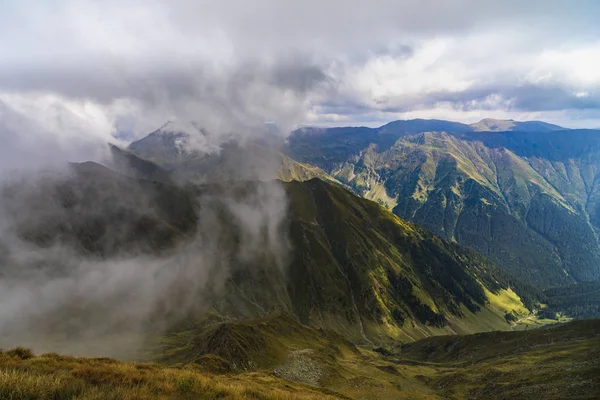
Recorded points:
(348, 264)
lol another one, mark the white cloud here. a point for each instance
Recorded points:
(578, 67)
(233, 64)
(485, 74)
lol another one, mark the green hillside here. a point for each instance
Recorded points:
(578, 301)
(298, 362)
(352, 266)
(388, 272)
(527, 200)
(560, 362)
(340, 311)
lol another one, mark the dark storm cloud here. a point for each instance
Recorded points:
(112, 81)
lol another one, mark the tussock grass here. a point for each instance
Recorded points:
(51, 376)
(559, 362)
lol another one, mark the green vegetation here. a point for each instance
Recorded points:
(52, 376)
(559, 362)
(353, 267)
(388, 274)
(575, 301)
(525, 199)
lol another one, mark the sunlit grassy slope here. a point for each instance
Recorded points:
(52, 376)
(549, 363)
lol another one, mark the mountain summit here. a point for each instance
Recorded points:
(505, 125)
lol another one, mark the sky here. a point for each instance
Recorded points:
(75, 71)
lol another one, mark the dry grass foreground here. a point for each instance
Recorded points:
(560, 362)
(52, 376)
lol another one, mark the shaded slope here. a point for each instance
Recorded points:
(250, 344)
(129, 164)
(99, 212)
(469, 349)
(552, 363)
(575, 301)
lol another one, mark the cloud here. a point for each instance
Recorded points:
(77, 74)
(488, 72)
(47, 130)
(232, 65)
(93, 288)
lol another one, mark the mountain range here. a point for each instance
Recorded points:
(526, 197)
(381, 263)
(352, 266)
(524, 194)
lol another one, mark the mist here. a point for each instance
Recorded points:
(62, 294)
(87, 256)
(94, 262)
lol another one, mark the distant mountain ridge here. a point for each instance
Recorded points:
(527, 198)
(505, 125)
(176, 153)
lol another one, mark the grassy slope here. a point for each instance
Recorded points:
(52, 376)
(354, 267)
(553, 363)
(291, 170)
(396, 272)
